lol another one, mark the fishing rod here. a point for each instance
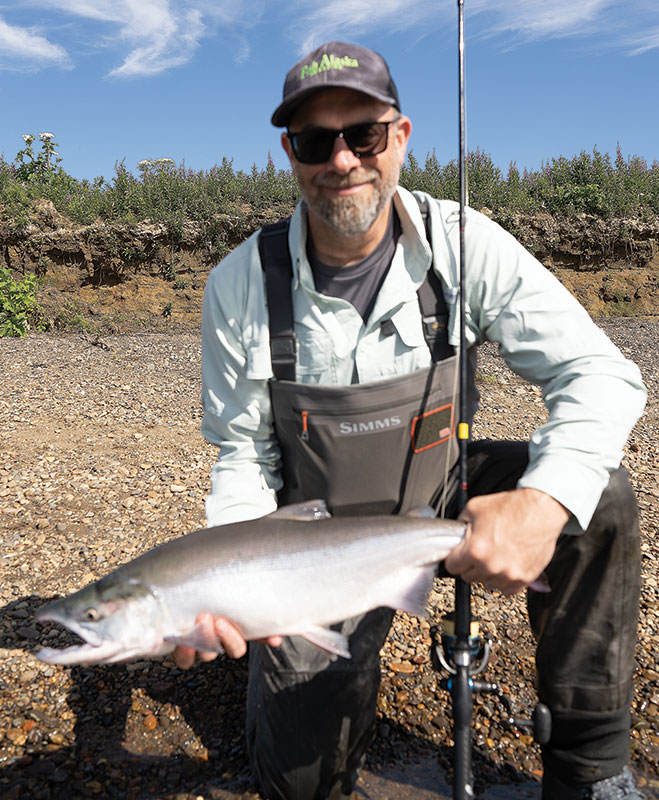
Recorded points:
(461, 651)
(462, 656)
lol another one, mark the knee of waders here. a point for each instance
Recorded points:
(307, 733)
(585, 747)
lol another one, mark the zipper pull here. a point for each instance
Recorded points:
(305, 427)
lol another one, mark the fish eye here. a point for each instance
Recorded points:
(91, 615)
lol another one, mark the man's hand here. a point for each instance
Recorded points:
(510, 539)
(226, 634)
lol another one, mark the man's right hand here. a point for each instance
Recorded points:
(226, 635)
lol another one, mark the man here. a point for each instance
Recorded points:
(302, 413)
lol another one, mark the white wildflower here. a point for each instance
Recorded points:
(46, 135)
(163, 161)
(145, 163)
(28, 138)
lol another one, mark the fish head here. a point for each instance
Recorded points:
(117, 618)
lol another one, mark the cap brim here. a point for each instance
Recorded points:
(283, 113)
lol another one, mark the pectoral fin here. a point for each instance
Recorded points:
(540, 584)
(413, 595)
(331, 641)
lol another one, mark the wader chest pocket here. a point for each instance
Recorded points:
(367, 448)
(432, 428)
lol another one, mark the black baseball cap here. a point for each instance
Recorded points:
(336, 64)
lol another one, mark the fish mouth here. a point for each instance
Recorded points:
(79, 654)
(95, 649)
(53, 614)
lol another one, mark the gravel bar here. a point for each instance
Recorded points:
(101, 458)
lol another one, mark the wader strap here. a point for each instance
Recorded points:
(278, 268)
(434, 314)
(276, 263)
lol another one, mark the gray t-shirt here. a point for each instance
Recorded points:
(358, 283)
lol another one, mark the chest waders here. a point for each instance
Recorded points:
(365, 448)
(381, 447)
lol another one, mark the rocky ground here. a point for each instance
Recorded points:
(101, 458)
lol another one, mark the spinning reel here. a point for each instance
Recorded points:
(478, 649)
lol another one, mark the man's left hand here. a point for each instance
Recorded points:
(225, 634)
(510, 539)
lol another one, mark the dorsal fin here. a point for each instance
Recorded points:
(427, 512)
(306, 511)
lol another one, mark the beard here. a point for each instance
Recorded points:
(350, 216)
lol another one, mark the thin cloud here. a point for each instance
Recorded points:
(643, 44)
(158, 34)
(348, 19)
(155, 35)
(170, 43)
(22, 48)
(526, 20)
(537, 18)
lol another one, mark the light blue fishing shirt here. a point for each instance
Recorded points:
(593, 394)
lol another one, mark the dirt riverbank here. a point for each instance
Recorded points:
(111, 277)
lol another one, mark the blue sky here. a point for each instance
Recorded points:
(196, 80)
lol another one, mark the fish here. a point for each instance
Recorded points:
(294, 572)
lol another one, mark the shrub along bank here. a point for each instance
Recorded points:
(135, 249)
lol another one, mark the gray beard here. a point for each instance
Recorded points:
(351, 216)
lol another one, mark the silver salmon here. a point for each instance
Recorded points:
(294, 572)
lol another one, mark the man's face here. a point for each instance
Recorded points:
(346, 192)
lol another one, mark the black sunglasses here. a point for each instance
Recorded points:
(314, 146)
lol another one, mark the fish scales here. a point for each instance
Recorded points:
(294, 572)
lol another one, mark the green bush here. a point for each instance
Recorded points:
(18, 304)
(226, 204)
(588, 182)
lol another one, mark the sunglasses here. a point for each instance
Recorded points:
(315, 146)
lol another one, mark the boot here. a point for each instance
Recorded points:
(620, 787)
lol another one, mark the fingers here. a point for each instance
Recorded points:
(230, 638)
(208, 631)
(459, 561)
(510, 538)
(184, 657)
(472, 570)
(227, 636)
(466, 562)
(500, 582)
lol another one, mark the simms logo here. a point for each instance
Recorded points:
(369, 426)
(327, 62)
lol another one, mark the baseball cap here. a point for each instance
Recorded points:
(336, 64)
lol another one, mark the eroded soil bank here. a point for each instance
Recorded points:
(112, 277)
